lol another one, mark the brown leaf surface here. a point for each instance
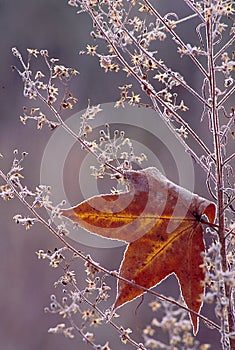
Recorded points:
(161, 222)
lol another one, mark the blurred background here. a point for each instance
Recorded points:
(26, 283)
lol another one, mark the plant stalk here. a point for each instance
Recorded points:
(226, 289)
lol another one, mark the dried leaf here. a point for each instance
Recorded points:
(160, 221)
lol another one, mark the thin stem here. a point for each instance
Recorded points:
(227, 127)
(179, 138)
(183, 19)
(228, 159)
(56, 113)
(226, 96)
(149, 89)
(74, 135)
(216, 226)
(219, 175)
(85, 338)
(176, 37)
(101, 313)
(164, 68)
(228, 43)
(193, 8)
(229, 204)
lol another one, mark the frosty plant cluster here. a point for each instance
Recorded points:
(125, 39)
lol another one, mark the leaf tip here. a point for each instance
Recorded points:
(210, 212)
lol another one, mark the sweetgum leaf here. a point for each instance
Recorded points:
(160, 221)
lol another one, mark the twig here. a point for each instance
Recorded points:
(226, 96)
(197, 13)
(149, 88)
(228, 159)
(228, 43)
(164, 68)
(177, 38)
(226, 289)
